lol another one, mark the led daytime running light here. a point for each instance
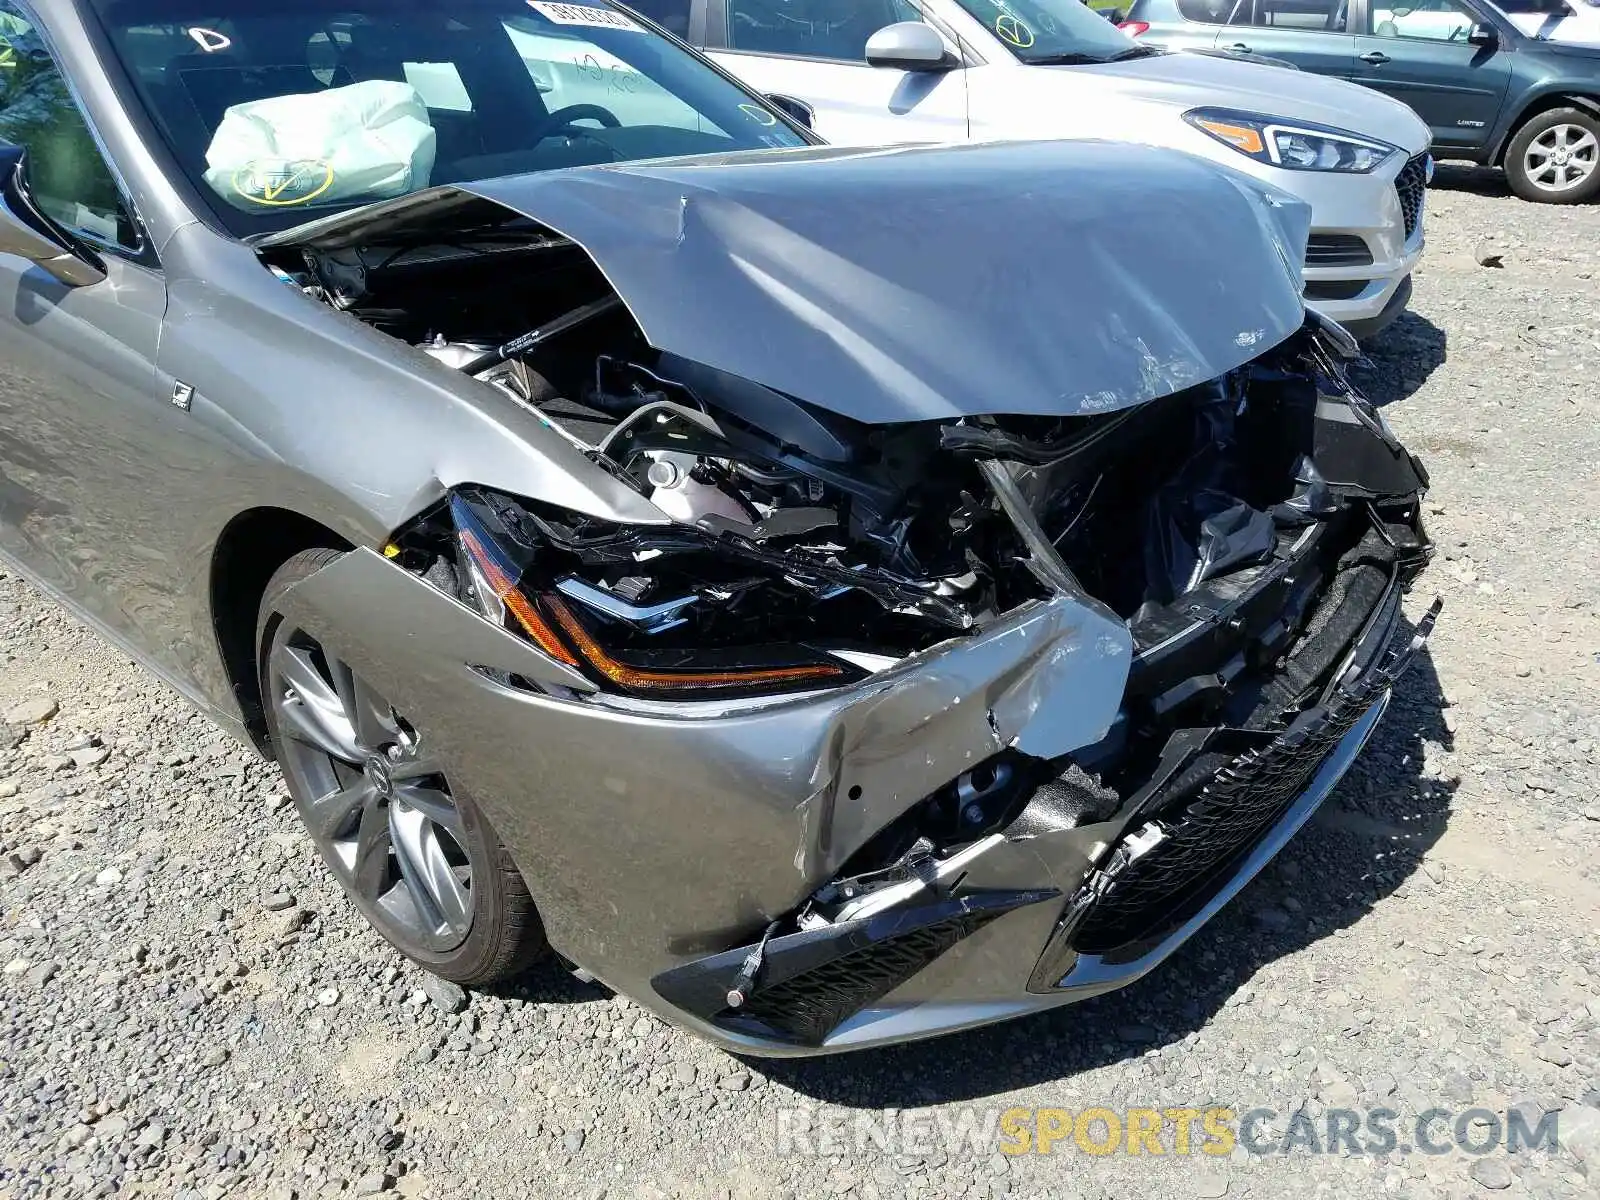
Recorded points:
(506, 591)
(639, 679)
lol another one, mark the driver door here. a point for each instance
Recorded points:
(81, 491)
(1419, 54)
(1312, 34)
(815, 51)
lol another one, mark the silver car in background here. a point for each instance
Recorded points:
(635, 539)
(882, 71)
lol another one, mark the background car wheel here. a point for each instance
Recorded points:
(1555, 157)
(420, 861)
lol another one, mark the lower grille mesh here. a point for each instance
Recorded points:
(810, 1004)
(1141, 891)
(1336, 289)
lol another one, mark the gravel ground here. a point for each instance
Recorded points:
(189, 1009)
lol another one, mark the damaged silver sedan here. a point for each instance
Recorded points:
(833, 597)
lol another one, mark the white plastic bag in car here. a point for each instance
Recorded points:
(366, 141)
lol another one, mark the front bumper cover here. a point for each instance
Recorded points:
(1364, 297)
(652, 835)
(648, 865)
(1003, 942)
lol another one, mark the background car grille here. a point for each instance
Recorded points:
(1142, 895)
(1336, 289)
(1337, 250)
(1410, 185)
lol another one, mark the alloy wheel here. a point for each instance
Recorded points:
(1561, 158)
(374, 800)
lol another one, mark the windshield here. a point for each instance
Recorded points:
(1539, 18)
(282, 110)
(1044, 31)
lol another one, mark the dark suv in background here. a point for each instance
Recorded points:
(1490, 93)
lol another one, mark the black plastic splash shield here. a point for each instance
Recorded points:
(812, 980)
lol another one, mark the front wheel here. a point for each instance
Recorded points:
(1555, 157)
(409, 848)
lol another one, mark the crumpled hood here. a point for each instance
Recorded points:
(1183, 81)
(922, 283)
(932, 282)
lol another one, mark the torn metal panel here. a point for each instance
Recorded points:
(765, 798)
(937, 714)
(884, 284)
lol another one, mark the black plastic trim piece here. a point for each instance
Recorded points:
(819, 977)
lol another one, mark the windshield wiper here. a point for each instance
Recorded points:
(1078, 58)
(1069, 58)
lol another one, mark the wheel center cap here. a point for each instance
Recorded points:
(376, 769)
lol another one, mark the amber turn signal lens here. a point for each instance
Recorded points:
(520, 607)
(1242, 136)
(637, 679)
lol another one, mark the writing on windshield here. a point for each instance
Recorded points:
(1050, 30)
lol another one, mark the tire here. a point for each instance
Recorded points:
(1531, 159)
(454, 902)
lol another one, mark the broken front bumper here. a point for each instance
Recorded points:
(970, 959)
(652, 834)
(1002, 944)
(653, 837)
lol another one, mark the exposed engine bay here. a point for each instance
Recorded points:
(1250, 530)
(799, 527)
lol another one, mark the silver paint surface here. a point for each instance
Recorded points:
(922, 282)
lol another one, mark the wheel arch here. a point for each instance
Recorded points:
(1539, 104)
(248, 552)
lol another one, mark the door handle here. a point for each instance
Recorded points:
(1376, 57)
(1240, 48)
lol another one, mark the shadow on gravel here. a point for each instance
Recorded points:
(548, 981)
(1370, 839)
(1470, 178)
(1400, 359)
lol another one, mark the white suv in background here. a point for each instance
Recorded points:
(882, 71)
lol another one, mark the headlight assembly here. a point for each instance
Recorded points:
(624, 619)
(1292, 145)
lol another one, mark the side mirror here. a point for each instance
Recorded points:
(29, 234)
(796, 110)
(1483, 35)
(908, 46)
